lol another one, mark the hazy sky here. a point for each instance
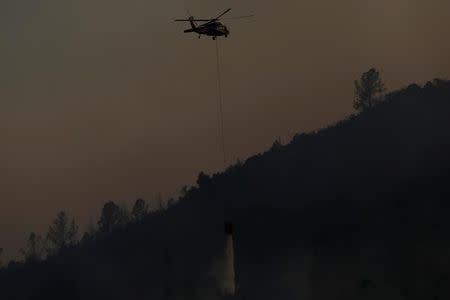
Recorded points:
(107, 100)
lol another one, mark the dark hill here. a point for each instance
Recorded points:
(358, 210)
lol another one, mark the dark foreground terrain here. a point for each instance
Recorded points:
(358, 210)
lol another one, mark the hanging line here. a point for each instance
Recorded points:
(220, 116)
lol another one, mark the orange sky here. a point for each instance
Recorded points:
(106, 100)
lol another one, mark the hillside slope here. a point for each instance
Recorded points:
(360, 210)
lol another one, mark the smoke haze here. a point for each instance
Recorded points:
(105, 100)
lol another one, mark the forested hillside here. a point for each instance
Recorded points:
(358, 210)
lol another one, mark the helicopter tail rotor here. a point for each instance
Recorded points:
(193, 25)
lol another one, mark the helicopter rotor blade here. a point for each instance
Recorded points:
(222, 14)
(188, 20)
(237, 18)
(209, 21)
(218, 18)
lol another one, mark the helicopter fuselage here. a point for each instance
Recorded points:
(214, 29)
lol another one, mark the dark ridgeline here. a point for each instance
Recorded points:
(358, 210)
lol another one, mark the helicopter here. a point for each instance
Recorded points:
(212, 27)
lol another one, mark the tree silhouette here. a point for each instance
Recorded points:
(160, 202)
(62, 233)
(276, 145)
(124, 215)
(34, 250)
(170, 202)
(140, 209)
(90, 233)
(111, 216)
(368, 90)
(203, 179)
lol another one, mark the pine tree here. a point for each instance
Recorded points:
(140, 209)
(34, 251)
(369, 90)
(62, 233)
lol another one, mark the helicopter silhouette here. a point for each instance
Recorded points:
(212, 27)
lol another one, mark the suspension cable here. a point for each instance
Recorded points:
(220, 115)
